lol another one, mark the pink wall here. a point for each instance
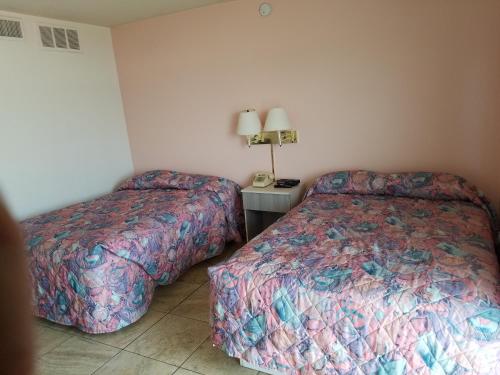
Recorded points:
(389, 85)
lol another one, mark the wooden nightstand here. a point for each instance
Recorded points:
(263, 206)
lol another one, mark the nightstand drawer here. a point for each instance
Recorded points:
(266, 202)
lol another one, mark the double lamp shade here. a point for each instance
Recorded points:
(249, 122)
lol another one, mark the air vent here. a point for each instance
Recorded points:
(73, 41)
(11, 28)
(59, 38)
(47, 37)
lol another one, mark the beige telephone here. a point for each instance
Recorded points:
(263, 179)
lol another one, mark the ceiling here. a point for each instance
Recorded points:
(102, 12)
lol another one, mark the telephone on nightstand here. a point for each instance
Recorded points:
(263, 179)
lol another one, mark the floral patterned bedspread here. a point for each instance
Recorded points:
(95, 265)
(372, 273)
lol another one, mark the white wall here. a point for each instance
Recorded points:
(63, 135)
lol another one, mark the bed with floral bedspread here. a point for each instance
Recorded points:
(95, 265)
(372, 273)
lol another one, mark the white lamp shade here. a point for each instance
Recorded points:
(277, 120)
(249, 123)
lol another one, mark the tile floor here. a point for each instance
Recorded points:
(172, 338)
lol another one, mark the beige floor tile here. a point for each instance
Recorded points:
(56, 326)
(75, 357)
(48, 339)
(172, 340)
(196, 306)
(125, 336)
(127, 363)
(196, 274)
(182, 371)
(211, 361)
(168, 297)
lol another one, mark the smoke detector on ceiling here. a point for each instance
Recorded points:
(265, 9)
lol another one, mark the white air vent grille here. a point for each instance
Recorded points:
(73, 41)
(46, 36)
(59, 38)
(11, 28)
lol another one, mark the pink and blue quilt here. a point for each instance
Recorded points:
(95, 265)
(372, 273)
